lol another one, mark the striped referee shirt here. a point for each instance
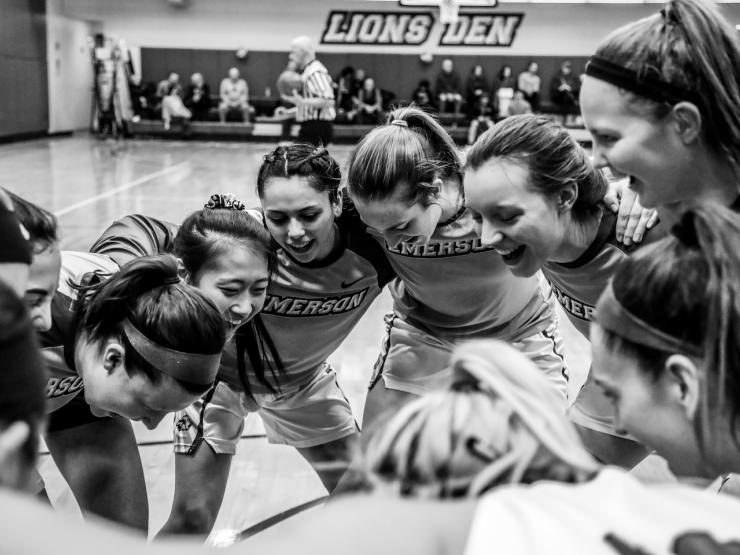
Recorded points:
(316, 84)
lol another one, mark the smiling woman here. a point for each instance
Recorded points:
(660, 98)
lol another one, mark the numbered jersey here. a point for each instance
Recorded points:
(58, 343)
(309, 310)
(613, 513)
(454, 287)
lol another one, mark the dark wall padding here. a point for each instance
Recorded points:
(24, 106)
(398, 73)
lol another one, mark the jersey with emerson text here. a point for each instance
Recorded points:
(309, 309)
(455, 287)
(577, 285)
(64, 383)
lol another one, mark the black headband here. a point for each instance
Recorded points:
(640, 83)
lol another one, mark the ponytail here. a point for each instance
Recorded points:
(412, 148)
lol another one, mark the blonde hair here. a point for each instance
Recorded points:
(499, 422)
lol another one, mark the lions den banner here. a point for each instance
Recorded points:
(414, 28)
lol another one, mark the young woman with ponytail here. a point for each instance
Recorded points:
(406, 180)
(539, 201)
(660, 99)
(666, 344)
(327, 275)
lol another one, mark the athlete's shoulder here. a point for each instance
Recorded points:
(358, 239)
(134, 236)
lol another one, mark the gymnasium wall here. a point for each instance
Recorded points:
(269, 25)
(398, 73)
(23, 86)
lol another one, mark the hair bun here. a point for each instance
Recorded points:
(225, 202)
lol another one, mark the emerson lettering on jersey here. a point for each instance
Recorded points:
(295, 306)
(573, 306)
(415, 28)
(439, 249)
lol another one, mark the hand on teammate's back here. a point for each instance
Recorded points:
(633, 220)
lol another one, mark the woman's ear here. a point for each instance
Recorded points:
(113, 356)
(688, 121)
(338, 203)
(684, 383)
(567, 196)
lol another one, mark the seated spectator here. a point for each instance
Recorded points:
(198, 97)
(503, 89)
(529, 83)
(234, 95)
(498, 422)
(346, 88)
(422, 96)
(369, 103)
(163, 89)
(519, 105)
(140, 97)
(482, 119)
(173, 107)
(449, 88)
(476, 87)
(564, 89)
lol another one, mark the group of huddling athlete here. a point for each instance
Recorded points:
(236, 311)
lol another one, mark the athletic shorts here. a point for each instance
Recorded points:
(593, 410)
(415, 361)
(315, 414)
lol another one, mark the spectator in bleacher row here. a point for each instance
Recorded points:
(449, 88)
(503, 90)
(234, 94)
(369, 103)
(422, 96)
(174, 108)
(345, 87)
(519, 105)
(529, 83)
(198, 97)
(164, 87)
(476, 87)
(140, 93)
(564, 90)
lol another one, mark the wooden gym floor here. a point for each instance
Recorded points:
(88, 183)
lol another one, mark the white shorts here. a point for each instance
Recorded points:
(415, 361)
(315, 414)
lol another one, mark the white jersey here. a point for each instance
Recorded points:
(589, 518)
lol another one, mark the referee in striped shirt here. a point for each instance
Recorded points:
(315, 109)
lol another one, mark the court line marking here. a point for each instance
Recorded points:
(120, 189)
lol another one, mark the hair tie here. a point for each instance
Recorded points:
(225, 202)
(400, 122)
(172, 280)
(685, 230)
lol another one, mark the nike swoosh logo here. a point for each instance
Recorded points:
(346, 284)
